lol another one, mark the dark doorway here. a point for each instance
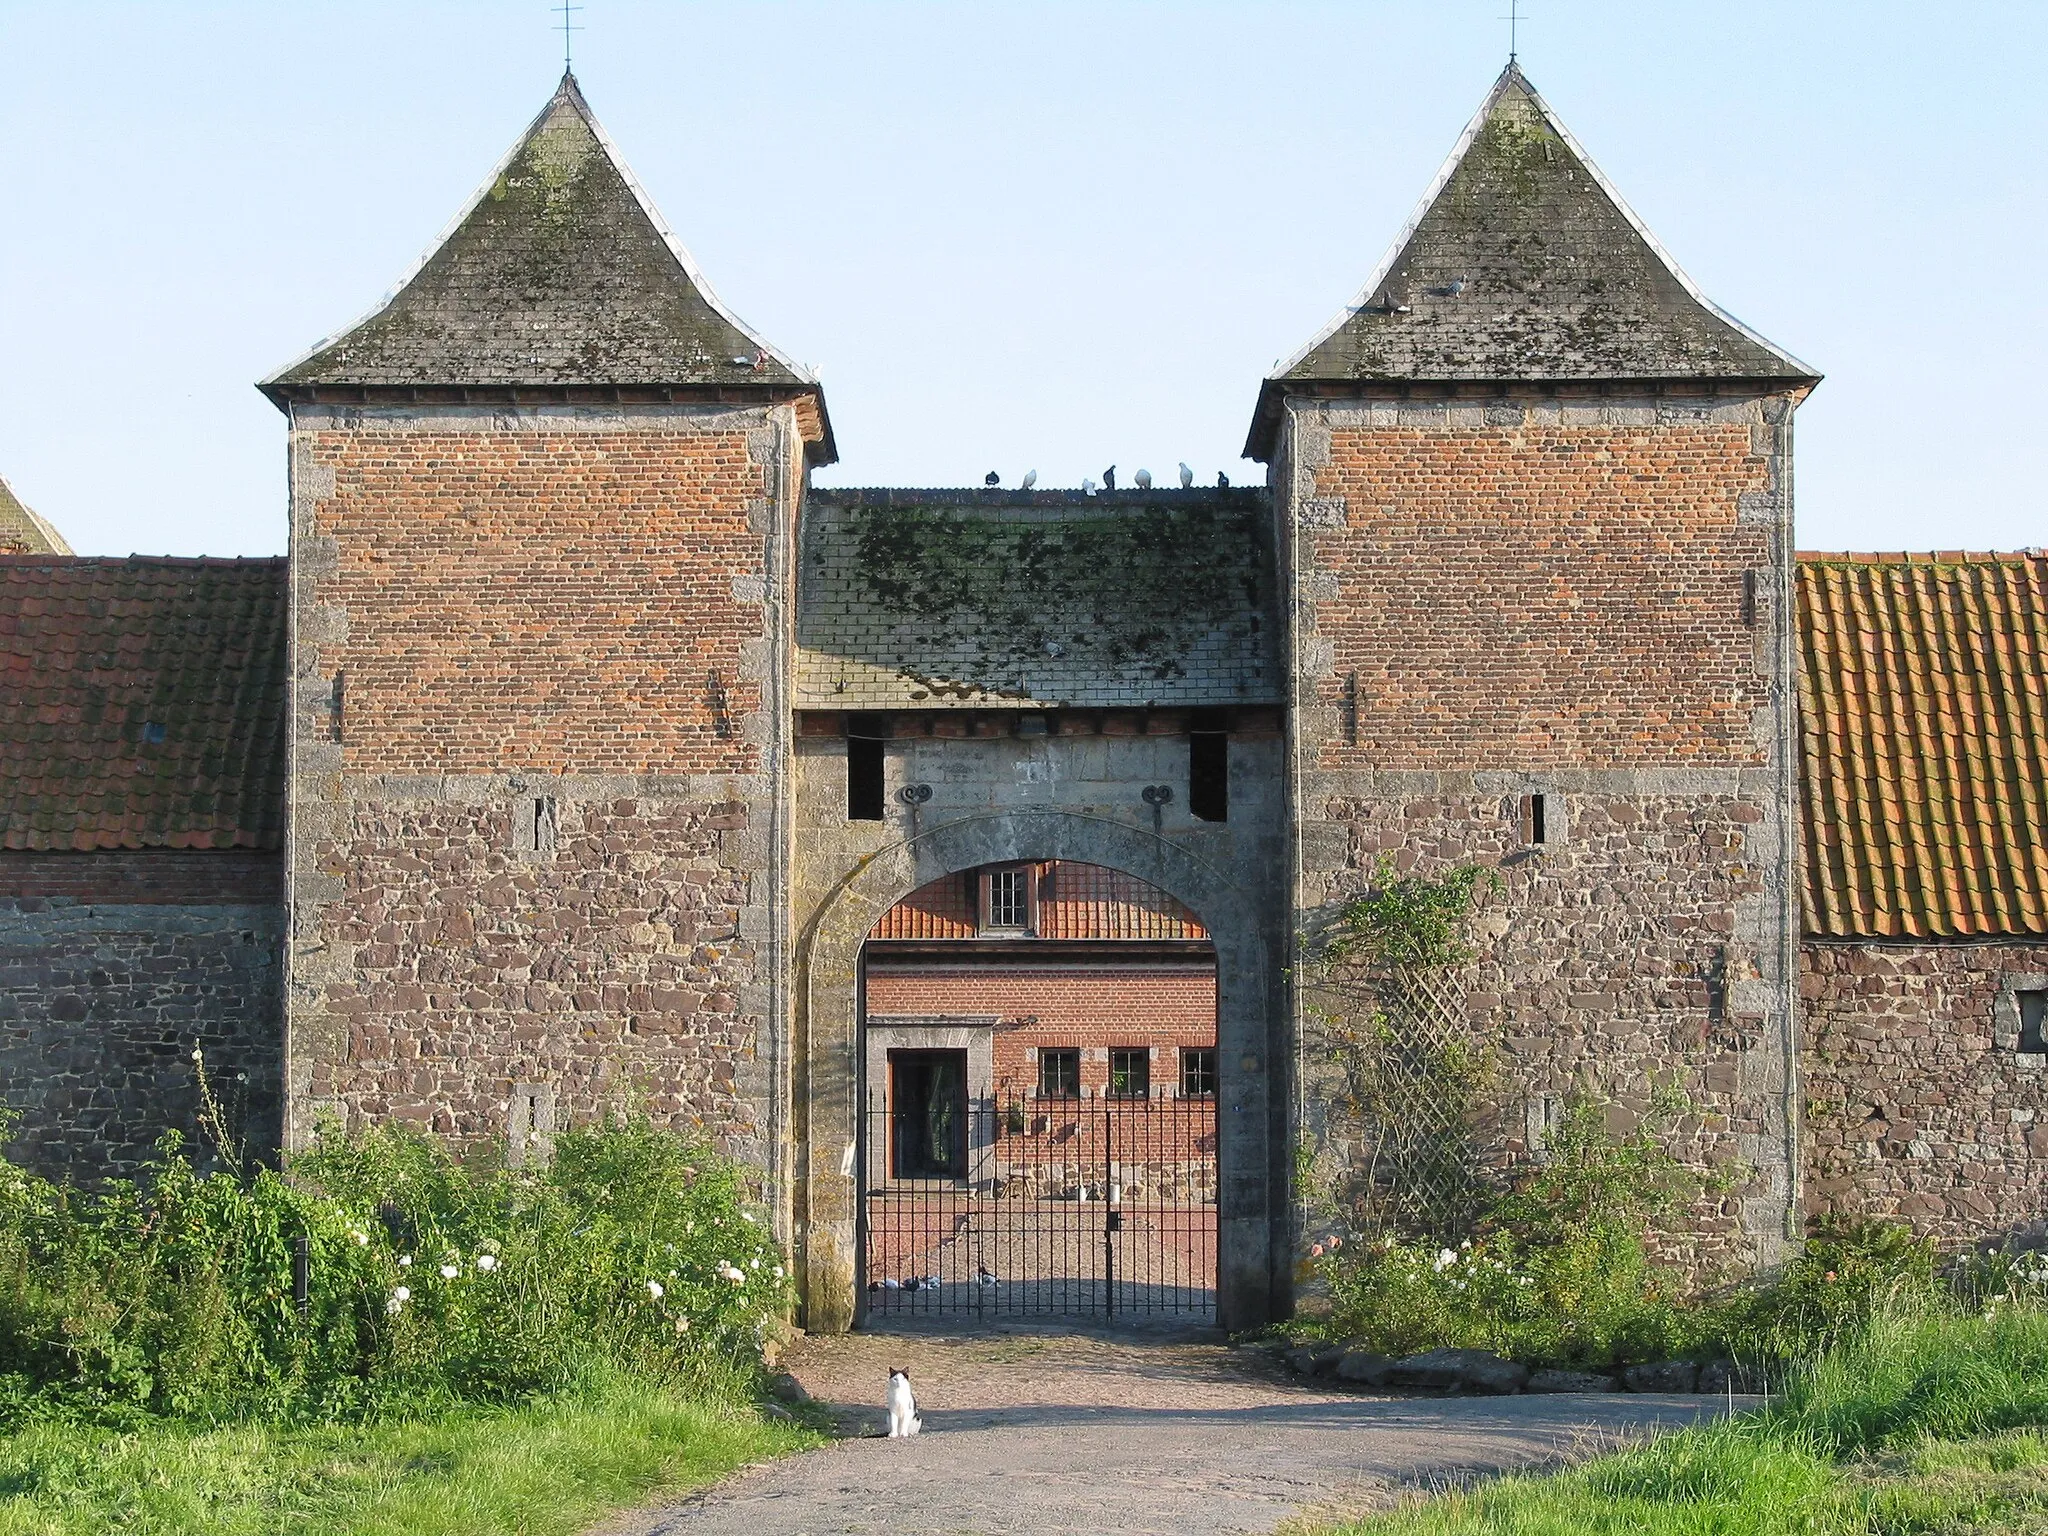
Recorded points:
(928, 1114)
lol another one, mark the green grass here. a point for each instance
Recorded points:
(1924, 1427)
(544, 1470)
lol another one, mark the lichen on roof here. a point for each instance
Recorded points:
(560, 273)
(24, 533)
(1524, 264)
(931, 599)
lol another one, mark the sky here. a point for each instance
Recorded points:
(1010, 235)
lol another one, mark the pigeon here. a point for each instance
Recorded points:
(1187, 477)
(1030, 479)
(983, 1278)
(1144, 479)
(1087, 487)
(1109, 478)
(1222, 481)
(991, 478)
(892, 1284)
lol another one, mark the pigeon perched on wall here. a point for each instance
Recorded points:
(1087, 487)
(1187, 478)
(1030, 479)
(1144, 479)
(1109, 478)
(1222, 481)
(991, 478)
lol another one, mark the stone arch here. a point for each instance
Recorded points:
(1251, 1123)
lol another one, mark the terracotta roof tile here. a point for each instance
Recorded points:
(1924, 744)
(142, 703)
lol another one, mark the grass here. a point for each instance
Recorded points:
(543, 1470)
(1922, 1427)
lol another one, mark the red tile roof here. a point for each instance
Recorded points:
(1075, 901)
(142, 703)
(1924, 744)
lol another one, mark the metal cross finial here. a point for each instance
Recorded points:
(1514, 21)
(567, 10)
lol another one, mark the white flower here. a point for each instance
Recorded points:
(405, 1261)
(400, 1293)
(362, 1239)
(197, 1054)
(450, 1271)
(654, 1289)
(755, 1265)
(394, 1306)
(746, 1215)
(778, 1271)
(682, 1325)
(486, 1261)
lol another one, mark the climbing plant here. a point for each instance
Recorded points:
(1403, 1076)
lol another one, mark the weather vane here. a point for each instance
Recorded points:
(1514, 21)
(567, 10)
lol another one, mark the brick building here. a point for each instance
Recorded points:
(583, 754)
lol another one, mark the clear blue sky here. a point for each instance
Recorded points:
(1017, 235)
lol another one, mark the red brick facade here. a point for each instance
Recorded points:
(1540, 596)
(551, 601)
(1163, 1006)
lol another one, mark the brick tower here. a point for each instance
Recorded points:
(1535, 497)
(542, 505)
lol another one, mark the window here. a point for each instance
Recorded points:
(864, 796)
(1535, 817)
(1006, 900)
(1130, 1073)
(1198, 1072)
(533, 824)
(2033, 1017)
(1059, 1074)
(1209, 775)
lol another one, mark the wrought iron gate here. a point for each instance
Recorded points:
(1100, 1206)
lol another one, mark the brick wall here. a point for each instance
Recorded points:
(1090, 1007)
(1920, 1105)
(101, 1006)
(147, 877)
(582, 606)
(1582, 599)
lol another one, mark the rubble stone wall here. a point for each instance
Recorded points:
(101, 1006)
(1921, 1106)
(539, 732)
(1583, 598)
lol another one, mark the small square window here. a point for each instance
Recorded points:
(1198, 1072)
(1006, 900)
(1130, 1073)
(1059, 1074)
(2033, 1020)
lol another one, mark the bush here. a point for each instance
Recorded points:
(431, 1283)
(1558, 1272)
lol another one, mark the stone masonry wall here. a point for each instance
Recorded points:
(1921, 1107)
(540, 664)
(1582, 598)
(101, 1006)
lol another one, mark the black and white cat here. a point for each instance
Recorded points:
(902, 1403)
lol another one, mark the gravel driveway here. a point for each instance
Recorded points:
(1069, 1433)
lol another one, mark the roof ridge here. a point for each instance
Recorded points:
(1920, 557)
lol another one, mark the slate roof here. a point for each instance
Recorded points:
(1924, 744)
(1523, 264)
(976, 599)
(142, 703)
(22, 532)
(560, 273)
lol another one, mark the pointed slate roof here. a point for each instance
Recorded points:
(1523, 264)
(559, 274)
(22, 532)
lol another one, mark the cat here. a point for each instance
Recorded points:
(903, 1418)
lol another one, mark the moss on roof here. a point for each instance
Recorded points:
(921, 599)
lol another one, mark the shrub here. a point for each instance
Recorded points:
(430, 1283)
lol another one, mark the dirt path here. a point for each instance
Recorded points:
(1066, 1434)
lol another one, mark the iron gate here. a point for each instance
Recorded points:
(1101, 1206)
